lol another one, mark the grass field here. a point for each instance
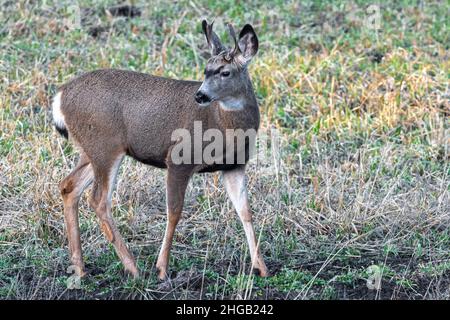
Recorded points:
(357, 207)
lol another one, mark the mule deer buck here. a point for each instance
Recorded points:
(112, 113)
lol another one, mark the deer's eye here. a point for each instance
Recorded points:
(225, 74)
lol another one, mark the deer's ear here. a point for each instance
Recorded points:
(248, 43)
(211, 37)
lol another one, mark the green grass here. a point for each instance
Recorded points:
(362, 118)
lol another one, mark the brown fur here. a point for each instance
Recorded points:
(110, 113)
(137, 113)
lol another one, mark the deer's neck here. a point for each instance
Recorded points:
(232, 104)
(240, 112)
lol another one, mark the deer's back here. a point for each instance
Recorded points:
(108, 111)
(133, 109)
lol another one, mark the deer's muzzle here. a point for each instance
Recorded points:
(202, 98)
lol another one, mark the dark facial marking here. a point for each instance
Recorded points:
(210, 72)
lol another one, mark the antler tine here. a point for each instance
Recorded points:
(207, 29)
(233, 35)
(210, 28)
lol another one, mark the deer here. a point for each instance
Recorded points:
(110, 113)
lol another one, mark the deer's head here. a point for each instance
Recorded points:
(226, 77)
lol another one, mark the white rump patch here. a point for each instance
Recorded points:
(58, 117)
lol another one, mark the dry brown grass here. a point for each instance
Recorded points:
(363, 177)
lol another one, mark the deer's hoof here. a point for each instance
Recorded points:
(162, 273)
(132, 271)
(262, 272)
(134, 275)
(77, 268)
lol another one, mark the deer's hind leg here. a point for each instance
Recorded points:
(105, 173)
(72, 188)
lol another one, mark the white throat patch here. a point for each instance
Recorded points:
(232, 104)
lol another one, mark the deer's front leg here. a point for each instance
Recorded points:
(176, 183)
(237, 191)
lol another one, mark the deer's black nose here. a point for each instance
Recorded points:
(200, 97)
